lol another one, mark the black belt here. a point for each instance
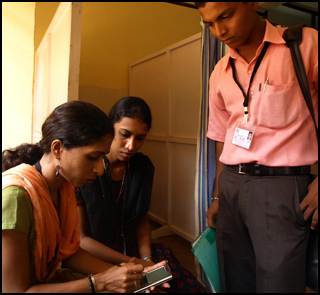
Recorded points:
(256, 169)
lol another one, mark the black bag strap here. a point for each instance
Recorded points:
(293, 38)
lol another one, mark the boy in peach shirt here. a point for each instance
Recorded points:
(263, 190)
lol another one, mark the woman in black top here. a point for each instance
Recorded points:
(113, 209)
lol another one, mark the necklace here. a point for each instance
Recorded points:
(123, 176)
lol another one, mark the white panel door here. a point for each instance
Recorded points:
(150, 79)
(169, 81)
(57, 64)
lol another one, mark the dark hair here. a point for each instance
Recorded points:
(76, 123)
(200, 4)
(131, 107)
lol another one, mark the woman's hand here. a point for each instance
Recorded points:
(149, 268)
(120, 279)
(145, 263)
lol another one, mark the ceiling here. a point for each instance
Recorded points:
(264, 6)
(282, 13)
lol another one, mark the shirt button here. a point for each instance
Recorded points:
(251, 93)
(250, 72)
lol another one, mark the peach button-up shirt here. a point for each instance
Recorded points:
(284, 132)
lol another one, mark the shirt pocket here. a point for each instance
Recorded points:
(278, 105)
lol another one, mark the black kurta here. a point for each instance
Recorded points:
(105, 214)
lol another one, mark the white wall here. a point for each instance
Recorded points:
(17, 72)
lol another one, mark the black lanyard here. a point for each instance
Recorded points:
(246, 96)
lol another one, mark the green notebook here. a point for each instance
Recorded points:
(205, 249)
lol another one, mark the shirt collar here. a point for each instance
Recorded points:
(272, 35)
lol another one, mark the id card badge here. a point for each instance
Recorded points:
(243, 135)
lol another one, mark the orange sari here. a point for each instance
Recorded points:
(54, 243)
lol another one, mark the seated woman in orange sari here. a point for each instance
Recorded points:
(40, 225)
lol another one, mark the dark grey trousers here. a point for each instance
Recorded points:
(261, 233)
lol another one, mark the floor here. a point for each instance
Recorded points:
(180, 247)
(182, 250)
